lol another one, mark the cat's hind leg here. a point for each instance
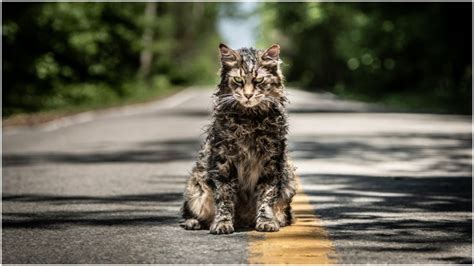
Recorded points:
(190, 223)
(283, 213)
(282, 208)
(198, 207)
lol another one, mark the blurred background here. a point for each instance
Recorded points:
(69, 57)
(389, 178)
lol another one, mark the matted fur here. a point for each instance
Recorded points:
(243, 176)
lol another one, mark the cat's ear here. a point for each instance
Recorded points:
(228, 56)
(272, 53)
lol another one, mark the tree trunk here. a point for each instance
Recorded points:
(146, 55)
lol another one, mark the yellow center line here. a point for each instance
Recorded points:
(305, 241)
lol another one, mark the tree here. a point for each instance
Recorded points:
(146, 55)
(417, 54)
(57, 55)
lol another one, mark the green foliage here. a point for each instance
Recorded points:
(390, 52)
(57, 55)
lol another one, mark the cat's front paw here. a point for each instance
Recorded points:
(191, 224)
(223, 227)
(267, 226)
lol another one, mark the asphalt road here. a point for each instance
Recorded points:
(107, 188)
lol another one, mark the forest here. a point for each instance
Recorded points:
(82, 56)
(416, 56)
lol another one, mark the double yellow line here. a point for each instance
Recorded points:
(304, 242)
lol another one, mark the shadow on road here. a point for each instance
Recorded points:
(123, 199)
(47, 220)
(134, 213)
(144, 152)
(434, 152)
(401, 214)
(444, 152)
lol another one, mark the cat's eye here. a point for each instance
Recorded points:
(238, 80)
(259, 80)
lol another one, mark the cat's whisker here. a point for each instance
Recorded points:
(271, 100)
(230, 98)
(225, 100)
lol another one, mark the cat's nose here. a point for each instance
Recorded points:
(248, 95)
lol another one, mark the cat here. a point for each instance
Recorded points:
(243, 176)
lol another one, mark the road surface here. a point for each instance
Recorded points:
(377, 187)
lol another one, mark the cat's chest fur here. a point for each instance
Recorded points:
(249, 165)
(253, 143)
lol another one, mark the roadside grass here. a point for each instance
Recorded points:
(78, 98)
(428, 103)
(412, 101)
